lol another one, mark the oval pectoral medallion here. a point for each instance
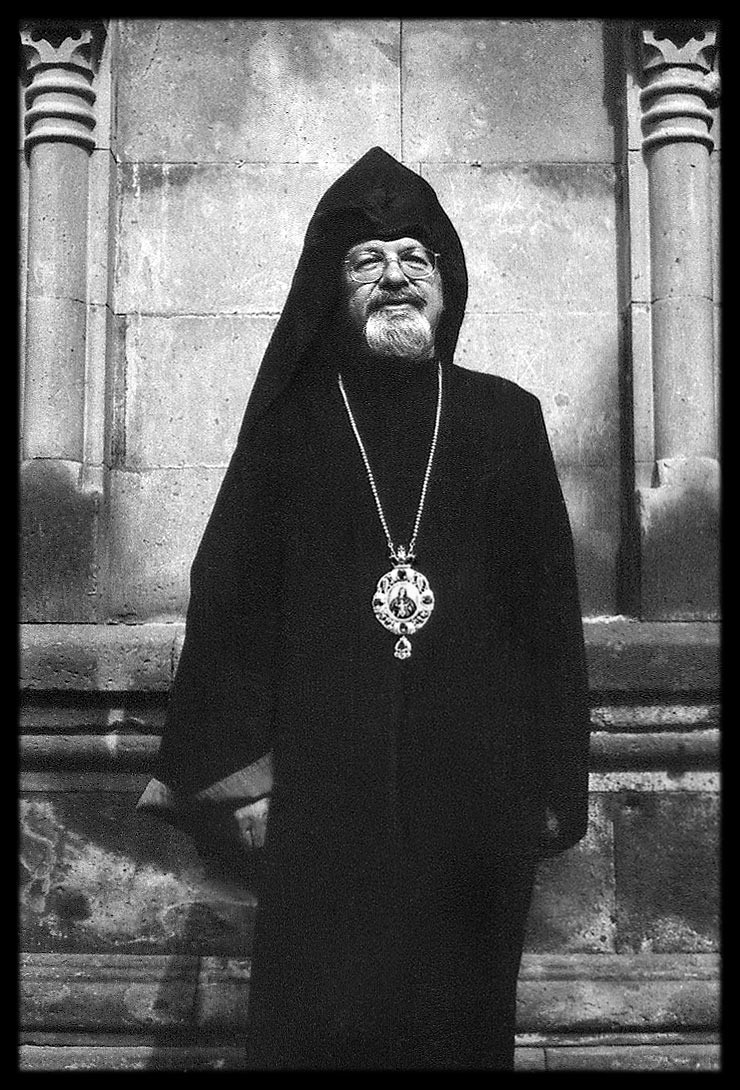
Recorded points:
(403, 602)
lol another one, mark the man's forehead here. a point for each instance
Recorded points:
(403, 243)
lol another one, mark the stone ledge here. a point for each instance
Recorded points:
(76, 712)
(133, 783)
(627, 1057)
(99, 658)
(127, 752)
(624, 656)
(565, 1055)
(568, 993)
(653, 656)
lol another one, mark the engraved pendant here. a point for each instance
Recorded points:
(403, 602)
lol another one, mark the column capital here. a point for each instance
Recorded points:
(60, 59)
(678, 43)
(77, 42)
(677, 60)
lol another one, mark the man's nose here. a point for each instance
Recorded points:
(393, 275)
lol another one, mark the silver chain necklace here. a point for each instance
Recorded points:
(403, 600)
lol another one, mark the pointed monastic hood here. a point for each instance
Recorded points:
(380, 198)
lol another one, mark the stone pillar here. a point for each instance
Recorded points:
(59, 123)
(678, 512)
(58, 513)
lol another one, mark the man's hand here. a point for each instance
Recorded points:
(252, 823)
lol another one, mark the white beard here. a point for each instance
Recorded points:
(406, 333)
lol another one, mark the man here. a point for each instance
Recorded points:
(383, 673)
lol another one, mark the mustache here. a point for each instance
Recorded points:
(384, 297)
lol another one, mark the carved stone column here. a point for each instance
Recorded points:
(678, 514)
(59, 124)
(58, 512)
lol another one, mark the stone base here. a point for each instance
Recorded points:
(136, 954)
(627, 1052)
(59, 542)
(680, 542)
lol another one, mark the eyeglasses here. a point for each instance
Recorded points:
(369, 265)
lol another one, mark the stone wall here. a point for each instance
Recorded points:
(136, 954)
(168, 173)
(226, 134)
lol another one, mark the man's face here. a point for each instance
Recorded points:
(395, 315)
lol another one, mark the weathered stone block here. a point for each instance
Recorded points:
(658, 658)
(58, 208)
(638, 198)
(186, 385)
(671, 781)
(101, 224)
(640, 340)
(95, 876)
(529, 1059)
(125, 1057)
(589, 993)
(680, 543)
(213, 238)
(223, 988)
(54, 393)
(658, 1057)
(569, 361)
(507, 90)
(157, 519)
(94, 993)
(597, 993)
(536, 237)
(663, 1056)
(100, 334)
(117, 750)
(573, 902)
(680, 244)
(59, 543)
(656, 750)
(666, 859)
(44, 714)
(280, 90)
(133, 659)
(624, 657)
(592, 498)
(685, 425)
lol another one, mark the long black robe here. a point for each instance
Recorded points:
(407, 813)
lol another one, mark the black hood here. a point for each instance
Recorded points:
(380, 198)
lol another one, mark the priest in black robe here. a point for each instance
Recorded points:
(382, 692)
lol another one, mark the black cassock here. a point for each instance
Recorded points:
(408, 808)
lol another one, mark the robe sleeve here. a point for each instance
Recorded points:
(221, 817)
(215, 755)
(557, 652)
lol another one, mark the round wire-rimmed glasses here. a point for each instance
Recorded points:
(368, 266)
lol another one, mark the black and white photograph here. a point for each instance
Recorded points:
(369, 412)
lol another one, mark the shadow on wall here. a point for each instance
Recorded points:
(209, 993)
(59, 544)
